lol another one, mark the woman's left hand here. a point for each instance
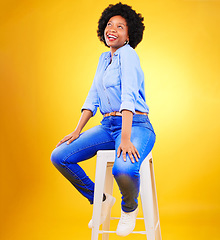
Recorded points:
(127, 146)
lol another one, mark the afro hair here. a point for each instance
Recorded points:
(134, 22)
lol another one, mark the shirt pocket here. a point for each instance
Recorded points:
(111, 77)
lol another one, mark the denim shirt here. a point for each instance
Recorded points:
(118, 84)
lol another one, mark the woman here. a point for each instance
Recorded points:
(118, 91)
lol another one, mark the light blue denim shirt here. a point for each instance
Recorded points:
(118, 85)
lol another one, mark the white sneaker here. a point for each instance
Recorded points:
(126, 223)
(106, 207)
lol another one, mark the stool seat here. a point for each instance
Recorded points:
(104, 184)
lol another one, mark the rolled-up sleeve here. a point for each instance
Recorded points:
(91, 103)
(130, 84)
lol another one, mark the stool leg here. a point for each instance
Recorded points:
(98, 194)
(109, 180)
(155, 203)
(147, 198)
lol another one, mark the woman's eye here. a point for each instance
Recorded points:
(120, 27)
(108, 24)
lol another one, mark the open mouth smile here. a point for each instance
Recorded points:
(111, 37)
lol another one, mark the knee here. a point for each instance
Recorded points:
(116, 171)
(120, 170)
(57, 157)
(127, 180)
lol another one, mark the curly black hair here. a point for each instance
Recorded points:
(134, 22)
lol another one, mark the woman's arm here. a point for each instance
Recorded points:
(126, 145)
(85, 116)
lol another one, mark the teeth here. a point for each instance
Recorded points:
(111, 36)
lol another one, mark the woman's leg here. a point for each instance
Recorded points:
(127, 173)
(65, 157)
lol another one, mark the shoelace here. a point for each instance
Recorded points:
(125, 218)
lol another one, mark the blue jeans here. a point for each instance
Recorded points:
(107, 136)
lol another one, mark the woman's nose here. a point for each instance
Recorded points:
(112, 29)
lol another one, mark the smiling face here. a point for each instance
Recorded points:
(116, 33)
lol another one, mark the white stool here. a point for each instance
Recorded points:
(104, 184)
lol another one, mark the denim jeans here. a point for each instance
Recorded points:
(107, 136)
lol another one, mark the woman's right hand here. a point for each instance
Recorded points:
(85, 116)
(71, 137)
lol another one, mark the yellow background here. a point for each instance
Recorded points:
(48, 57)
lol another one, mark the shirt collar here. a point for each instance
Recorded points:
(108, 55)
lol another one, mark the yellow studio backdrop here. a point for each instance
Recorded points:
(48, 57)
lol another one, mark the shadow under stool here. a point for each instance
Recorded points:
(104, 184)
